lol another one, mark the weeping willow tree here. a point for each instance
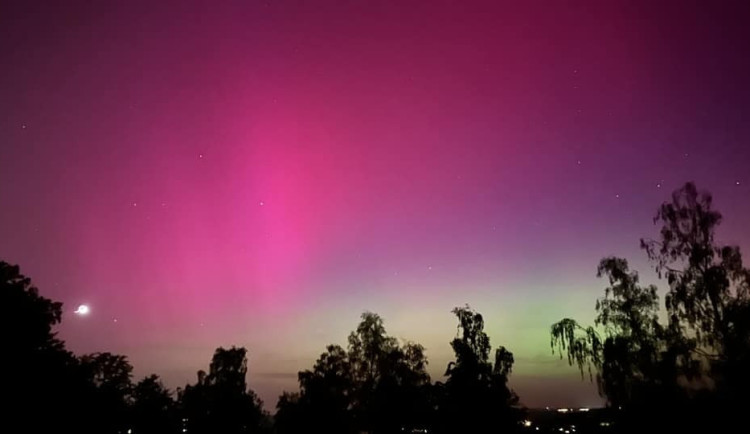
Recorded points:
(709, 288)
(706, 338)
(622, 349)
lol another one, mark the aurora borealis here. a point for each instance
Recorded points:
(259, 173)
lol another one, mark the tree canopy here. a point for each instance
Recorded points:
(476, 395)
(697, 355)
(220, 401)
(377, 385)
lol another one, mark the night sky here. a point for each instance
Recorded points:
(259, 173)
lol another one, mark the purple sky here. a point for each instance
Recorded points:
(260, 173)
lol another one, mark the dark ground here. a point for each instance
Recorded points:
(595, 420)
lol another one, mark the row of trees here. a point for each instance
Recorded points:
(49, 389)
(376, 384)
(686, 366)
(679, 368)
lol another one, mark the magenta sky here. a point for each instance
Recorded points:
(259, 173)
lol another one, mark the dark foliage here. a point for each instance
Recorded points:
(109, 378)
(48, 389)
(153, 409)
(692, 371)
(476, 396)
(220, 401)
(376, 385)
(41, 375)
(380, 386)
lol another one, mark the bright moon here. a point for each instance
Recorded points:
(82, 310)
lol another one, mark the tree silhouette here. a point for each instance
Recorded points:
(630, 358)
(32, 317)
(643, 365)
(324, 403)
(292, 416)
(110, 372)
(41, 375)
(388, 378)
(109, 377)
(220, 401)
(709, 293)
(376, 386)
(152, 409)
(476, 396)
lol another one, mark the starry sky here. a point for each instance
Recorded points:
(258, 173)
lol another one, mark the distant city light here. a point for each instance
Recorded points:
(527, 423)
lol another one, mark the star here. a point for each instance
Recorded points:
(430, 267)
(737, 183)
(200, 155)
(617, 196)
(23, 126)
(261, 203)
(135, 204)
